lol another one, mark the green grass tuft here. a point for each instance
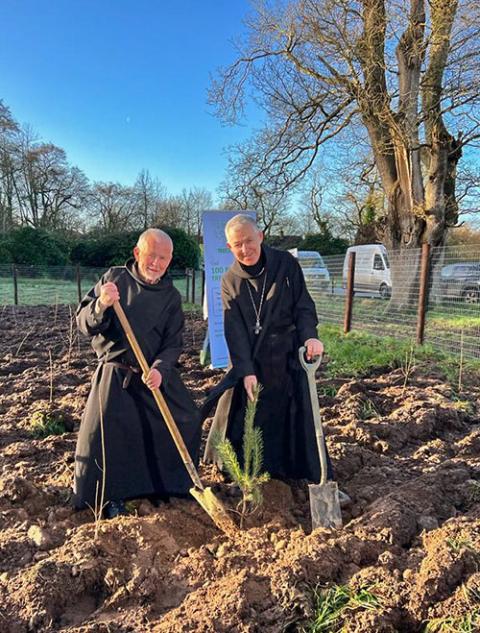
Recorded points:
(469, 623)
(44, 423)
(333, 603)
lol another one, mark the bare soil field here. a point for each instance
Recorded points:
(408, 457)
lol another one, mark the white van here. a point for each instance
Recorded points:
(314, 270)
(372, 269)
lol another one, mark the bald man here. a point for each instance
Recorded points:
(141, 458)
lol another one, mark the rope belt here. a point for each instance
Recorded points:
(128, 368)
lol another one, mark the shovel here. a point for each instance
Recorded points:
(324, 501)
(204, 496)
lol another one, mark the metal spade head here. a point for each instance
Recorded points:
(215, 509)
(325, 505)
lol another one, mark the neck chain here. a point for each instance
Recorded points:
(257, 329)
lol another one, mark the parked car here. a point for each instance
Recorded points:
(372, 269)
(461, 282)
(314, 270)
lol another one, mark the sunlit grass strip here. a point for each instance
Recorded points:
(358, 353)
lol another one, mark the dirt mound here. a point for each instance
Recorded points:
(408, 457)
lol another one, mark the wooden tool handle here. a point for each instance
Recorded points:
(159, 399)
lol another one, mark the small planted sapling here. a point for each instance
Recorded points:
(48, 421)
(249, 478)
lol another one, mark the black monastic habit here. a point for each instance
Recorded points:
(141, 458)
(287, 318)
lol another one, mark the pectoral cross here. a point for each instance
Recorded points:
(257, 328)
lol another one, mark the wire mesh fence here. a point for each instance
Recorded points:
(389, 298)
(58, 285)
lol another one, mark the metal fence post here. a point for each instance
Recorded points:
(347, 316)
(422, 293)
(15, 285)
(79, 283)
(203, 285)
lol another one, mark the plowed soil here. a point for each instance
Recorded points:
(409, 457)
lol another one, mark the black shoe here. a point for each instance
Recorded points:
(114, 509)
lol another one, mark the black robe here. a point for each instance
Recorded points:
(288, 318)
(141, 458)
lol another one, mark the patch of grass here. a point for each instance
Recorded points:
(462, 405)
(358, 353)
(329, 391)
(130, 507)
(457, 544)
(333, 603)
(453, 321)
(44, 423)
(474, 492)
(468, 623)
(368, 410)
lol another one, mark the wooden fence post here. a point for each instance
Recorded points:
(347, 316)
(422, 293)
(187, 293)
(15, 285)
(193, 285)
(79, 283)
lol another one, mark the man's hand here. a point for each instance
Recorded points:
(108, 294)
(250, 382)
(153, 379)
(313, 347)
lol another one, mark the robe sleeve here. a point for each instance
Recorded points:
(172, 339)
(89, 321)
(238, 342)
(304, 312)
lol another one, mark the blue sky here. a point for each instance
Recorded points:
(121, 85)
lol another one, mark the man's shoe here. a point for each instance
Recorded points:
(114, 509)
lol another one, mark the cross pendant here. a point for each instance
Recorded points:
(257, 328)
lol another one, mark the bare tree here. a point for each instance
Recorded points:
(49, 191)
(8, 148)
(194, 201)
(148, 192)
(168, 212)
(406, 71)
(240, 191)
(112, 207)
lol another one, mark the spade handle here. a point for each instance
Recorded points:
(159, 399)
(310, 369)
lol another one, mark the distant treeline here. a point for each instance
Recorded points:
(39, 247)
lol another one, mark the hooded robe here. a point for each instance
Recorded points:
(288, 318)
(140, 456)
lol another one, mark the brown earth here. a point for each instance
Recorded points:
(409, 459)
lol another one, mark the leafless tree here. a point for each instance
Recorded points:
(148, 192)
(194, 201)
(405, 71)
(8, 132)
(168, 212)
(240, 191)
(112, 207)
